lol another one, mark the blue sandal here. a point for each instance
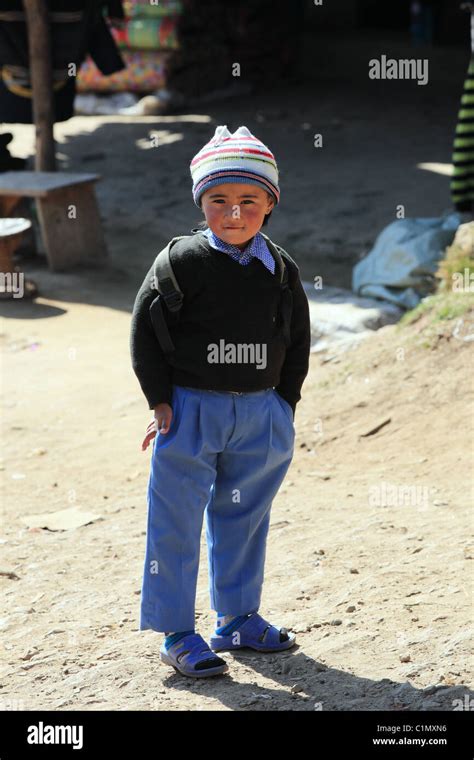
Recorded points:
(255, 633)
(191, 656)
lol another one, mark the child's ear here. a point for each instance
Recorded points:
(271, 202)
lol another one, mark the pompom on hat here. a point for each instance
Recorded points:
(239, 157)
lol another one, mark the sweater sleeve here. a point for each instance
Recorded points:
(296, 364)
(148, 360)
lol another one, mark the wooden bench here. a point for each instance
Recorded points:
(68, 214)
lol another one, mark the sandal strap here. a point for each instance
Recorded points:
(258, 628)
(193, 647)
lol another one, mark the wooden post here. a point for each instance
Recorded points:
(39, 47)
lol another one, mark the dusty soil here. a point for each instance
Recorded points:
(366, 579)
(369, 555)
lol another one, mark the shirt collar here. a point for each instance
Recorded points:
(256, 248)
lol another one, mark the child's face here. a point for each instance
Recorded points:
(235, 212)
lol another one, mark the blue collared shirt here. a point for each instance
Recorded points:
(257, 248)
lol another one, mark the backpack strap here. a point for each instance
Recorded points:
(274, 250)
(286, 297)
(165, 282)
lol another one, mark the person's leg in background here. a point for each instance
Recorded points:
(9, 163)
(462, 181)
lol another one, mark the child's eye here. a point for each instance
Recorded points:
(221, 200)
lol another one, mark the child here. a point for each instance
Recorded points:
(226, 432)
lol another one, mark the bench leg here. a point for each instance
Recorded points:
(71, 228)
(7, 205)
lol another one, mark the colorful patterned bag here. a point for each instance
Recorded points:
(147, 34)
(146, 72)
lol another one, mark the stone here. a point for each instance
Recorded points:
(340, 319)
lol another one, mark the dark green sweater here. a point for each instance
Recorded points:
(224, 303)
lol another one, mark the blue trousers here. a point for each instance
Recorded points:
(224, 455)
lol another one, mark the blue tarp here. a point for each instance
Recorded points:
(400, 267)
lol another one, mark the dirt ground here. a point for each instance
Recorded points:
(369, 555)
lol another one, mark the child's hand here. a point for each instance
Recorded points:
(161, 422)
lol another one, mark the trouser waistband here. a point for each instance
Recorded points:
(238, 393)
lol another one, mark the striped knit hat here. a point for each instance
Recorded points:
(238, 157)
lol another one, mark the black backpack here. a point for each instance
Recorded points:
(165, 282)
